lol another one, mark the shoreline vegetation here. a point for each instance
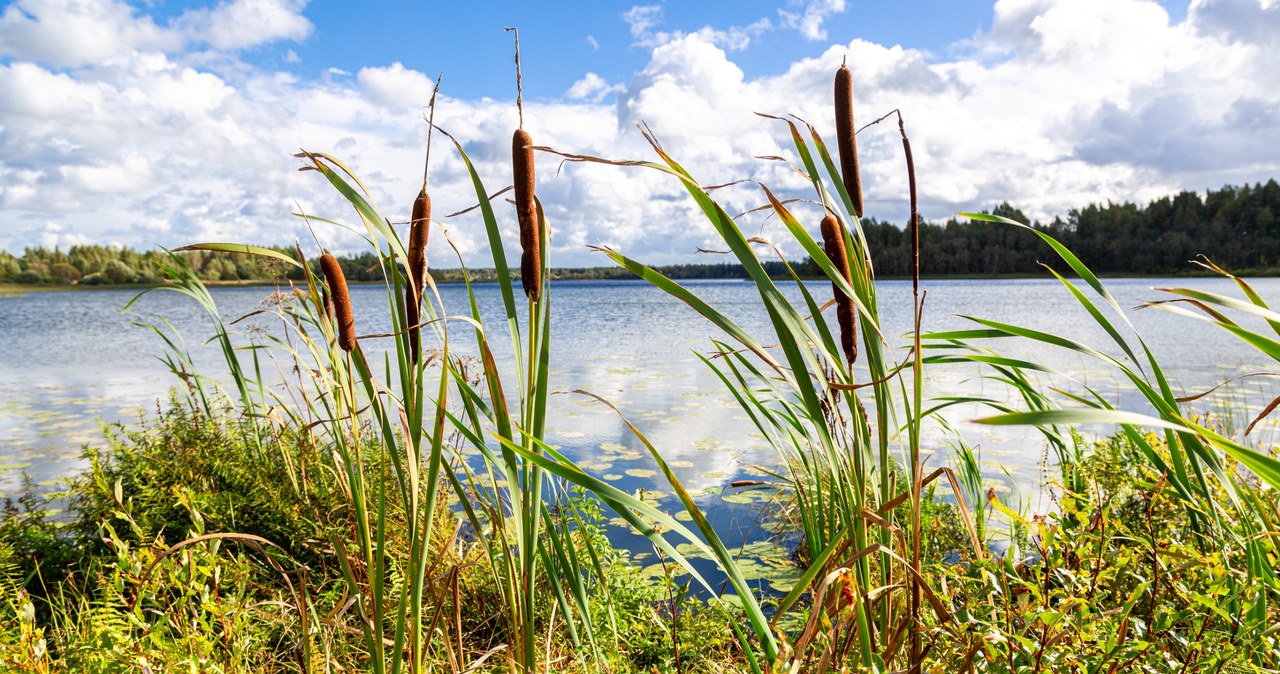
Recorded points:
(407, 515)
(1236, 227)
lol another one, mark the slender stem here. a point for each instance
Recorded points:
(917, 385)
(519, 80)
(431, 125)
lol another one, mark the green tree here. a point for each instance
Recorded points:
(64, 272)
(118, 272)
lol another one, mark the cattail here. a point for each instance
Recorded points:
(833, 243)
(341, 301)
(418, 230)
(527, 214)
(412, 315)
(845, 140)
(327, 301)
(914, 224)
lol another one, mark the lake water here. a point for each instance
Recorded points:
(72, 360)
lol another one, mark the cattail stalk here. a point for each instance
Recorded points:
(833, 244)
(846, 140)
(337, 283)
(917, 482)
(526, 207)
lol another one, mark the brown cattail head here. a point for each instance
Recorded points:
(412, 317)
(341, 301)
(527, 214)
(845, 138)
(327, 301)
(833, 244)
(419, 229)
(913, 225)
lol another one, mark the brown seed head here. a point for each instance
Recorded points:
(833, 244)
(341, 301)
(913, 225)
(412, 316)
(527, 214)
(419, 229)
(327, 301)
(845, 137)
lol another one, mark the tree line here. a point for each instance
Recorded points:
(1236, 227)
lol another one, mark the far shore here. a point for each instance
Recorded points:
(8, 289)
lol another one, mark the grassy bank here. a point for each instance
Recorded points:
(1115, 576)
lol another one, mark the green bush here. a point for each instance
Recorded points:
(28, 277)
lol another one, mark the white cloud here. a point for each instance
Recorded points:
(70, 33)
(396, 85)
(643, 19)
(1060, 103)
(247, 23)
(76, 33)
(810, 17)
(592, 87)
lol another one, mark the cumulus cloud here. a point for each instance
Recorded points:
(396, 85)
(246, 23)
(643, 19)
(75, 33)
(1058, 104)
(69, 33)
(591, 87)
(807, 16)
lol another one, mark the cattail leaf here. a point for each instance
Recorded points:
(1225, 301)
(1267, 468)
(374, 221)
(241, 248)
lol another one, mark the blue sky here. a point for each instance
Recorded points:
(163, 123)
(561, 39)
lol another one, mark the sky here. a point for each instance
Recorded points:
(165, 123)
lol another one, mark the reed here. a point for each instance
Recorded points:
(419, 231)
(846, 137)
(341, 300)
(833, 244)
(527, 214)
(531, 234)
(419, 228)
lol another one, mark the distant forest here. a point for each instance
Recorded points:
(1236, 227)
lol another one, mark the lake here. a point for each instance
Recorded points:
(72, 359)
